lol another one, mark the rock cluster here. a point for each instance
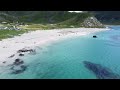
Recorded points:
(18, 66)
(92, 22)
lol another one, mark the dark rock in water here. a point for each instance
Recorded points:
(94, 36)
(18, 62)
(17, 66)
(21, 54)
(18, 71)
(100, 71)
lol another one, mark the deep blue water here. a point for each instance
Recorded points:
(64, 59)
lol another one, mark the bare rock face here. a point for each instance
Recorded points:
(92, 22)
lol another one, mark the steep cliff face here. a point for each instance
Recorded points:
(92, 22)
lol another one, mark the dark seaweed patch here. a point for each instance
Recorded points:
(100, 71)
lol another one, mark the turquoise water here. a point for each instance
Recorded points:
(64, 59)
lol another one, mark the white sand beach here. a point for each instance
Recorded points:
(39, 38)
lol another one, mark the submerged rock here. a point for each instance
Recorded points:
(100, 71)
(18, 67)
(18, 70)
(18, 62)
(21, 54)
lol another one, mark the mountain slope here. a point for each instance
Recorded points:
(84, 20)
(48, 17)
(107, 17)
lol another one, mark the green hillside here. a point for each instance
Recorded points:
(36, 16)
(44, 17)
(108, 17)
(77, 19)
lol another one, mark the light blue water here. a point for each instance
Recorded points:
(64, 59)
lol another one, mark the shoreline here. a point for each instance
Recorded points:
(28, 41)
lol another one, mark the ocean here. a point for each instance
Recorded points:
(65, 59)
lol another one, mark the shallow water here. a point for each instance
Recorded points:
(64, 59)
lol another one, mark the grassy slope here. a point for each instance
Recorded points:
(77, 20)
(47, 17)
(10, 33)
(42, 17)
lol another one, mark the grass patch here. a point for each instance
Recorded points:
(10, 33)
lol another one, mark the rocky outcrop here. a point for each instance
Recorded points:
(18, 62)
(92, 22)
(19, 66)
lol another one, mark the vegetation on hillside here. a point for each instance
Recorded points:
(108, 17)
(18, 22)
(10, 33)
(41, 17)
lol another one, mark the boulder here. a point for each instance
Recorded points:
(94, 36)
(21, 54)
(18, 62)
